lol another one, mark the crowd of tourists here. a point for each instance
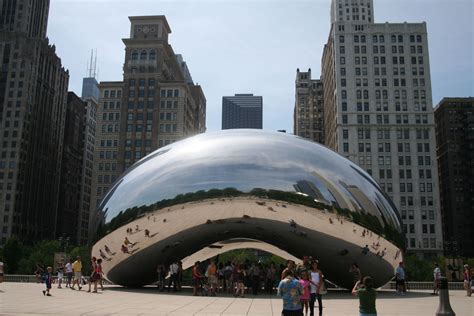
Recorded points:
(71, 271)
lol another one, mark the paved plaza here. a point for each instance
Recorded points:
(27, 299)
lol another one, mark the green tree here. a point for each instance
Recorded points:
(12, 252)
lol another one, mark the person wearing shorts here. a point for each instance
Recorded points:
(196, 275)
(212, 277)
(77, 269)
(69, 273)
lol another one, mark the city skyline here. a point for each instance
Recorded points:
(265, 59)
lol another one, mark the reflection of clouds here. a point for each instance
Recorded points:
(243, 159)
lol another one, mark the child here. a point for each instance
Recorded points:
(48, 280)
(304, 281)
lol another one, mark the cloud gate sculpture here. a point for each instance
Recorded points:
(247, 188)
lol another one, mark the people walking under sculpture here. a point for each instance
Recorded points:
(254, 273)
(355, 271)
(161, 274)
(180, 275)
(69, 272)
(77, 269)
(196, 278)
(174, 270)
(290, 291)
(212, 280)
(228, 276)
(367, 296)
(316, 280)
(48, 280)
(400, 278)
(306, 285)
(60, 273)
(239, 281)
(436, 279)
(270, 279)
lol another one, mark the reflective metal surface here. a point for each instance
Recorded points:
(246, 165)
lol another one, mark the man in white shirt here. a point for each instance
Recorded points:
(68, 268)
(436, 276)
(174, 270)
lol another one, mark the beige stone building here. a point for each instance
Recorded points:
(378, 112)
(156, 104)
(308, 112)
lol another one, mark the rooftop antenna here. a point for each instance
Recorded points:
(95, 65)
(89, 74)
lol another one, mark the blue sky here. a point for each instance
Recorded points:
(254, 46)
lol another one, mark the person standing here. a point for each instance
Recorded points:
(290, 291)
(356, 275)
(93, 277)
(400, 278)
(77, 269)
(161, 272)
(270, 278)
(367, 296)
(303, 267)
(68, 268)
(60, 272)
(48, 280)
(316, 280)
(436, 276)
(212, 280)
(2, 269)
(174, 270)
(196, 276)
(305, 284)
(255, 275)
(290, 266)
(467, 280)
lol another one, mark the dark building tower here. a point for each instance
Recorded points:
(242, 111)
(454, 119)
(71, 168)
(33, 96)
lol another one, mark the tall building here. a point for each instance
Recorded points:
(454, 119)
(159, 105)
(107, 140)
(242, 111)
(308, 112)
(378, 112)
(33, 100)
(156, 104)
(71, 169)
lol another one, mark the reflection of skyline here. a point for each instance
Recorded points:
(309, 188)
(244, 160)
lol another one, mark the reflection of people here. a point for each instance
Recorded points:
(290, 291)
(367, 296)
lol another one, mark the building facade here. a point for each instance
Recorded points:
(308, 113)
(33, 100)
(156, 104)
(71, 169)
(378, 112)
(159, 107)
(242, 111)
(107, 140)
(455, 151)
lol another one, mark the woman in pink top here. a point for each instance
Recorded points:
(304, 281)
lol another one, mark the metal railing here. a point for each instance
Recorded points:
(415, 285)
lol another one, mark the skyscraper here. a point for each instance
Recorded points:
(455, 150)
(242, 111)
(156, 104)
(378, 112)
(308, 112)
(33, 99)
